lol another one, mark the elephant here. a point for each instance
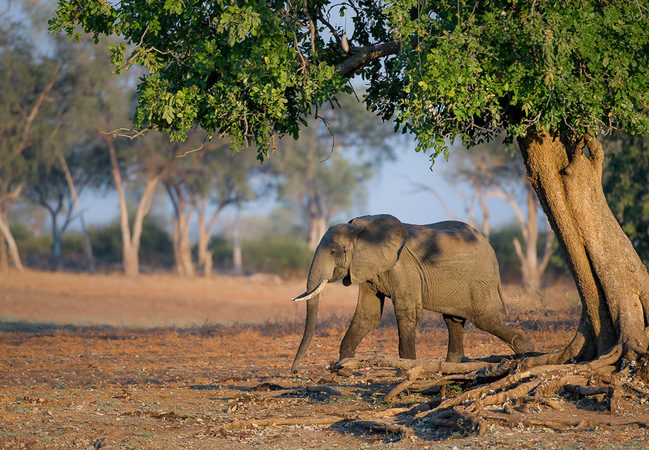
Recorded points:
(447, 267)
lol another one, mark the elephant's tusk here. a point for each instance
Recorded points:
(313, 293)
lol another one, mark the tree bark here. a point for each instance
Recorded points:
(613, 283)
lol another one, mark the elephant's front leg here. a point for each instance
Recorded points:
(366, 317)
(455, 327)
(408, 312)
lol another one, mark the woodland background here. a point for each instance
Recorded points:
(180, 203)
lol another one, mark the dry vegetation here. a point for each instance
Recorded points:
(107, 361)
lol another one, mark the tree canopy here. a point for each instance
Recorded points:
(441, 69)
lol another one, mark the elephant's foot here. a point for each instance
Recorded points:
(521, 345)
(454, 357)
(338, 369)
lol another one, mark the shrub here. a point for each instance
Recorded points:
(156, 248)
(281, 255)
(221, 249)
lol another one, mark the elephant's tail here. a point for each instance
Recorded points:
(500, 294)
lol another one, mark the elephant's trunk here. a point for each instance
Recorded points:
(309, 329)
(319, 275)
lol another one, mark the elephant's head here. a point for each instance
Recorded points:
(353, 252)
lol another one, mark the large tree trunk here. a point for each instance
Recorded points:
(612, 281)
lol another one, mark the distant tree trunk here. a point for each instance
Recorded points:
(56, 249)
(5, 230)
(4, 261)
(204, 233)
(485, 211)
(612, 281)
(317, 229)
(237, 258)
(131, 241)
(73, 192)
(11, 242)
(205, 226)
(181, 243)
(182, 246)
(532, 266)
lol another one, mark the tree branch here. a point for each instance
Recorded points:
(362, 55)
(32, 115)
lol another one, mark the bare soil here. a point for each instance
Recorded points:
(106, 361)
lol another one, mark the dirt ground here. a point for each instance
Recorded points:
(105, 361)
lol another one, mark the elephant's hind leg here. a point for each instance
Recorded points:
(366, 318)
(455, 327)
(490, 319)
(497, 327)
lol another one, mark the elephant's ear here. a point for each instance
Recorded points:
(378, 245)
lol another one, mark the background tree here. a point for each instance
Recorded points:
(229, 179)
(63, 159)
(553, 75)
(494, 171)
(47, 186)
(626, 185)
(139, 165)
(27, 80)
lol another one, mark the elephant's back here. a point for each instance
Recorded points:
(447, 239)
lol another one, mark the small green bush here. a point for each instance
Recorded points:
(156, 248)
(221, 249)
(281, 255)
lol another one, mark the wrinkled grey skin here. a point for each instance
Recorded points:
(447, 267)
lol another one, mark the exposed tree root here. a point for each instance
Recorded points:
(514, 386)
(375, 421)
(510, 393)
(558, 424)
(276, 421)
